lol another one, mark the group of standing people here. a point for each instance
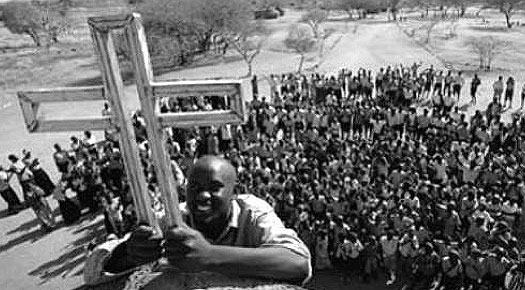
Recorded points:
(368, 175)
(36, 186)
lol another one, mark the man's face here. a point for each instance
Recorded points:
(210, 191)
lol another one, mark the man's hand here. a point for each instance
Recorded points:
(144, 246)
(187, 249)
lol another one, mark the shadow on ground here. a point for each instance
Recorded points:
(74, 256)
(32, 237)
(4, 214)
(31, 224)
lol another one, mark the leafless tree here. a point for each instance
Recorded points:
(487, 49)
(43, 22)
(429, 27)
(301, 41)
(314, 19)
(507, 7)
(248, 43)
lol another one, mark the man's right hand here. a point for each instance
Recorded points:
(144, 245)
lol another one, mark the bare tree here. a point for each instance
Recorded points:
(54, 20)
(487, 49)
(322, 40)
(393, 7)
(349, 6)
(41, 21)
(314, 19)
(452, 28)
(425, 5)
(507, 7)
(429, 27)
(195, 22)
(23, 18)
(301, 41)
(248, 43)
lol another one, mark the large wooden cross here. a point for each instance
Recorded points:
(149, 92)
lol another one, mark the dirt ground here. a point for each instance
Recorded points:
(33, 260)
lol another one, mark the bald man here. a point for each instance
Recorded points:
(225, 233)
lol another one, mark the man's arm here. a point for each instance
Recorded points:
(273, 262)
(276, 253)
(116, 258)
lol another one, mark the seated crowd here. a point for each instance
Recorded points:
(372, 172)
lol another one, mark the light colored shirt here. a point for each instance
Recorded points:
(253, 224)
(389, 246)
(4, 181)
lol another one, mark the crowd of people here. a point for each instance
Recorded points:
(374, 170)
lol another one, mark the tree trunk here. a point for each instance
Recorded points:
(350, 14)
(250, 68)
(481, 62)
(507, 17)
(321, 49)
(34, 36)
(301, 64)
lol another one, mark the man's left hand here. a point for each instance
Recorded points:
(187, 249)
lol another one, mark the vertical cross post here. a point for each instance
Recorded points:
(30, 102)
(149, 94)
(100, 32)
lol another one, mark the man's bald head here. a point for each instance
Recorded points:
(211, 183)
(209, 164)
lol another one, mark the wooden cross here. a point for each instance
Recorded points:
(149, 92)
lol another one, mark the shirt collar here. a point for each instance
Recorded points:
(235, 215)
(233, 223)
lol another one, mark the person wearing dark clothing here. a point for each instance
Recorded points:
(425, 269)
(509, 92)
(475, 83)
(69, 209)
(8, 194)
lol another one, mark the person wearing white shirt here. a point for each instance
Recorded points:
(389, 244)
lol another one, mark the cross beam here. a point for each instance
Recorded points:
(150, 93)
(30, 103)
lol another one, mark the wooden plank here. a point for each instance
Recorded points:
(196, 88)
(156, 136)
(200, 119)
(127, 140)
(239, 104)
(65, 94)
(109, 22)
(71, 125)
(29, 111)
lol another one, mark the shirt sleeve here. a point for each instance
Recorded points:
(273, 233)
(96, 266)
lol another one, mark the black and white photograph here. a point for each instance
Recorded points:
(262, 144)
